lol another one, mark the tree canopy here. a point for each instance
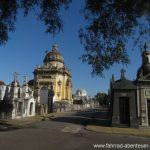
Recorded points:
(48, 13)
(109, 26)
(102, 98)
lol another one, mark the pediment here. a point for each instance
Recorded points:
(124, 84)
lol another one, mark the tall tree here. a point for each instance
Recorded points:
(102, 98)
(48, 13)
(110, 24)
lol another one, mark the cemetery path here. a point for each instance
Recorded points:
(59, 134)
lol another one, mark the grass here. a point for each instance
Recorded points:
(123, 131)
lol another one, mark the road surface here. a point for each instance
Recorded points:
(63, 134)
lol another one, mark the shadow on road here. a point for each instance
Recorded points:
(4, 126)
(100, 117)
(88, 117)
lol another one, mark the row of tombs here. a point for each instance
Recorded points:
(50, 90)
(16, 101)
(130, 100)
(52, 79)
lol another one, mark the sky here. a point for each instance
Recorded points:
(27, 45)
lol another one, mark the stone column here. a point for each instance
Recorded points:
(144, 122)
(138, 102)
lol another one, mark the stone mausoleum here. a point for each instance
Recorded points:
(131, 99)
(53, 74)
(81, 100)
(16, 101)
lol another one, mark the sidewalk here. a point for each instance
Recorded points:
(122, 131)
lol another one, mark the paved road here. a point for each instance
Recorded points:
(61, 135)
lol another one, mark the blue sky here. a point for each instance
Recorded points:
(27, 45)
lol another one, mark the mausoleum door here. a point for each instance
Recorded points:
(124, 111)
(148, 111)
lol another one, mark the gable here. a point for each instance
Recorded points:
(124, 84)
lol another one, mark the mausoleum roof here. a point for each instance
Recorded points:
(124, 84)
(53, 55)
(145, 67)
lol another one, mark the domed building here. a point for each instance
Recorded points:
(81, 100)
(53, 74)
(143, 89)
(130, 100)
(145, 67)
(81, 92)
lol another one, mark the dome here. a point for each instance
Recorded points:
(145, 67)
(81, 92)
(143, 70)
(53, 55)
(145, 52)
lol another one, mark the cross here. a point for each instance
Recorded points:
(25, 79)
(15, 76)
(122, 73)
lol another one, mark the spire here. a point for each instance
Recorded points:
(122, 73)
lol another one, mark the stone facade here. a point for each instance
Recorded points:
(53, 74)
(81, 100)
(143, 89)
(124, 102)
(131, 99)
(18, 101)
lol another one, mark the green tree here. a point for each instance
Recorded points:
(101, 98)
(110, 25)
(48, 13)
